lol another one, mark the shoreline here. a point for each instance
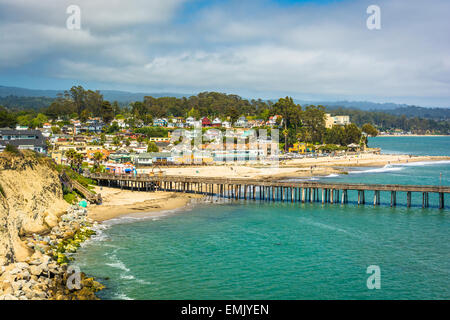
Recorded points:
(118, 203)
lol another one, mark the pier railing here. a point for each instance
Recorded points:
(269, 189)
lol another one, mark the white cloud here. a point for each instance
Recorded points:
(253, 48)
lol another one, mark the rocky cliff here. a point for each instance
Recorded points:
(31, 201)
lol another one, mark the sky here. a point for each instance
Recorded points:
(310, 50)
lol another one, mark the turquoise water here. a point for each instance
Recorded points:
(255, 250)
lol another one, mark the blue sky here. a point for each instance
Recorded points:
(318, 50)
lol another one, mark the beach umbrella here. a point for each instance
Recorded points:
(82, 203)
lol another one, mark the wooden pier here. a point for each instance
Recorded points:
(257, 189)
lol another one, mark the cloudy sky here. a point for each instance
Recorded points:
(255, 48)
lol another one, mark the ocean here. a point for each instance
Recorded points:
(260, 250)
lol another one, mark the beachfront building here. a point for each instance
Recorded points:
(331, 121)
(299, 147)
(23, 140)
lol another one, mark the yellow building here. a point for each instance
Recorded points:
(298, 148)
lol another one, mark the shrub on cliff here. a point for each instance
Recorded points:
(12, 149)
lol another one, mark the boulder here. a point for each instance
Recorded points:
(8, 297)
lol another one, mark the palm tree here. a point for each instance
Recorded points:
(98, 156)
(70, 155)
(78, 159)
(285, 134)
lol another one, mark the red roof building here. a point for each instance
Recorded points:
(206, 122)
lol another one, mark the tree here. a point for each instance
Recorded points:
(117, 141)
(7, 119)
(152, 147)
(98, 156)
(78, 95)
(352, 134)
(194, 113)
(56, 130)
(370, 130)
(70, 155)
(335, 135)
(285, 134)
(290, 112)
(78, 160)
(313, 118)
(39, 121)
(84, 115)
(107, 112)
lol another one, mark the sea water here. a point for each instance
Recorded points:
(261, 250)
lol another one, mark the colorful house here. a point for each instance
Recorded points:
(206, 122)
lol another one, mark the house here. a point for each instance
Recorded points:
(190, 121)
(90, 154)
(143, 159)
(226, 124)
(217, 122)
(331, 121)
(273, 120)
(160, 122)
(241, 122)
(206, 122)
(23, 140)
(92, 125)
(47, 126)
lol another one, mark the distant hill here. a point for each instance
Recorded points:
(111, 95)
(390, 108)
(14, 97)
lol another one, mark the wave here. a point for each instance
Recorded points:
(117, 263)
(122, 296)
(386, 168)
(422, 163)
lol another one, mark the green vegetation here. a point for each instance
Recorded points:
(387, 122)
(71, 245)
(153, 132)
(300, 123)
(86, 182)
(152, 147)
(12, 149)
(70, 197)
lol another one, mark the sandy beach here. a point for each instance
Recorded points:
(306, 167)
(118, 202)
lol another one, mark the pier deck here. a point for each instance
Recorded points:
(270, 190)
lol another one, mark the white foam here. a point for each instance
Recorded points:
(117, 264)
(422, 163)
(123, 296)
(386, 168)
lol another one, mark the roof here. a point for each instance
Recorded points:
(38, 141)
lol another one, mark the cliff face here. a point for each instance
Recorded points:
(31, 201)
